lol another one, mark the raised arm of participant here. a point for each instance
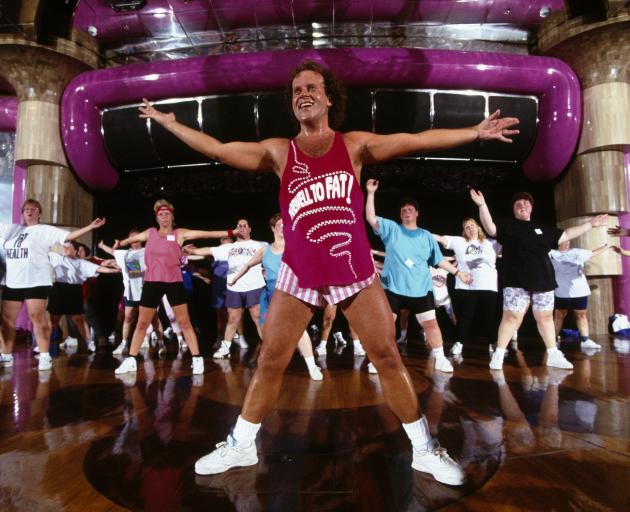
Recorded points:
(575, 231)
(484, 212)
(194, 234)
(138, 237)
(252, 262)
(370, 210)
(619, 231)
(197, 251)
(380, 148)
(105, 248)
(247, 156)
(464, 277)
(78, 233)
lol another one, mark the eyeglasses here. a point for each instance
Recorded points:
(34, 209)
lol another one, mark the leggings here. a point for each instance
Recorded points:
(466, 303)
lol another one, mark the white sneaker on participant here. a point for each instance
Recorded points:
(226, 456)
(120, 348)
(111, 337)
(243, 342)
(315, 373)
(168, 331)
(69, 342)
(557, 360)
(145, 343)
(456, 349)
(436, 461)
(358, 348)
(496, 363)
(36, 349)
(128, 365)
(6, 360)
(372, 369)
(197, 365)
(45, 362)
(589, 343)
(339, 338)
(443, 365)
(224, 350)
(402, 340)
(91, 347)
(321, 349)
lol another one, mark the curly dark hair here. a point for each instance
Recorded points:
(334, 88)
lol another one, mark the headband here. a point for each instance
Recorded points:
(163, 207)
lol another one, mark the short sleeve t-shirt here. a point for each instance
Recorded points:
(526, 246)
(133, 267)
(71, 270)
(237, 254)
(27, 250)
(439, 277)
(409, 253)
(569, 267)
(477, 258)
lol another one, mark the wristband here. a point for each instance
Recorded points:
(230, 233)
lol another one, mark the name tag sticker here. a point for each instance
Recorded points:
(170, 238)
(409, 262)
(538, 231)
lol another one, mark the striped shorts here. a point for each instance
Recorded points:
(288, 283)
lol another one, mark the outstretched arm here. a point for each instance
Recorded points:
(600, 250)
(619, 231)
(247, 156)
(194, 234)
(575, 231)
(440, 239)
(77, 233)
(379, 148)
(464, 277)
(138, 237)
(620, 250)
(105, 248)
(253, 261)
(370, 210)
(484, 212)
(108, 270)
(197, 251)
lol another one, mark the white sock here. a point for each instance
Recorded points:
(310, 362)
(123, 342)
(245, 432)
(438, 352)
(7, 357)
(403, 333)
(499, 351)
(552, 351)
(180, 339)
(322, 343)
(43, 355)
(418, 432)
(357, 344)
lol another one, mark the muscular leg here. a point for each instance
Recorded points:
(286, 321)
(369, 313)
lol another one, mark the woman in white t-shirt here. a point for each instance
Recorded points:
(573, 290)
(66, 296)
(475, 254)
(29, 276)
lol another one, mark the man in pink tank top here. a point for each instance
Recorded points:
(327, 257)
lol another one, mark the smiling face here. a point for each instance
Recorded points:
(309, 99)
(409, 215)
(522, 209)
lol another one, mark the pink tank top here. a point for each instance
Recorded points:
(162, 256)
(322, 212)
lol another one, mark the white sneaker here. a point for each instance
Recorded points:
(339, 338)
(36, 349)
(128, 365)
(227, 455)
(589, 343)
(224, 350)
(235, 337)
(456, 349)
(69, 342)
(128, 379)
(316, 373)
(6, 360)
(162, 351)
(45, 363)
(442, 364)
(436, 461)
(168, 331)
(120, 348)
(402, 340)
(621, 345)
(145, 343)
(358, 349)
(243, 342)
(557, 360)
(111, 337)
(372, 369)
(197, 365)
(496, 363)
(91, 347)
(321, 349)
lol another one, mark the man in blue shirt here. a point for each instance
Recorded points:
(406, 277)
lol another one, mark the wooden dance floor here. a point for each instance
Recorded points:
(532, 438)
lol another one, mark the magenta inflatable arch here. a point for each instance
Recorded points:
(551, 80)
(8, 113)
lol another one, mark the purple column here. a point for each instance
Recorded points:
(622, 283)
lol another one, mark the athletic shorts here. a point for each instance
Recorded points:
(237, 300)
(22, 294)
(66, 299)
(153, 291)
(518, 299)
(572, 302)
(288, 283)
(415, 305)
(131, 303)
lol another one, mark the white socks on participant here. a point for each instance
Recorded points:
(244, 432)
(438, 352)
(418, 433)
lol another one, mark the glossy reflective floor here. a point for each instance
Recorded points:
(530, 438)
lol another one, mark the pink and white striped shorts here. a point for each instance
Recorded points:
(288, 283)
